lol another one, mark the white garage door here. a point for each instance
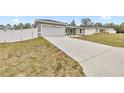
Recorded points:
(52, 31)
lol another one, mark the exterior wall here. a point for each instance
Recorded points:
(90, 31)
(97, 30)
(18, 35)
(78, 32)
(52, 30)
(39, 29)
(110, 30)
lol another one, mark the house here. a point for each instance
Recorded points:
(7, 27)
(2, 27)
(52, 28)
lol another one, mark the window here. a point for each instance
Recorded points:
(80, 30)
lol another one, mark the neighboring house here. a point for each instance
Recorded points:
(5, 28)
(55, 28)
(8, 27)
(2, 27)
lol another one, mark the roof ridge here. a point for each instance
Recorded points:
(49, 20)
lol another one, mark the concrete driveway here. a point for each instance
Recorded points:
(95, 59)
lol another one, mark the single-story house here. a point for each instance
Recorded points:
(5, 28)
(52, 28)
(2, 27)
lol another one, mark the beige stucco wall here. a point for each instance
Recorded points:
(110, 30)
(39, 29)
(90, 31)
(78, 32)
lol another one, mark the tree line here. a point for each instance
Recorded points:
(18, 26)
(85, 22)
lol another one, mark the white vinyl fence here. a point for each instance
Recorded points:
(18, 35)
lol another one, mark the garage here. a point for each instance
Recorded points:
(53, 31)
(50, 28)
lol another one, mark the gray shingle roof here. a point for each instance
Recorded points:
(49, 21)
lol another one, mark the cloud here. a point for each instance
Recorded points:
(16, 20)
(105, 17)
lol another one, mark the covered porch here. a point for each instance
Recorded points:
(74, 30)
(70, 32)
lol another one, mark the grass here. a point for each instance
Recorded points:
(116, 40)
(36, 57)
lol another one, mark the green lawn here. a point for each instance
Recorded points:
(116, 40)
(36, 57)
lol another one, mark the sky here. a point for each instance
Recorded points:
(30, 19)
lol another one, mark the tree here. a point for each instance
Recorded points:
(86, 22)
(33, 26)
(27, 26)
(98, 24)
(112, 25)
(20, 26)
(120, 28)
(1, 25)
(109, 25)
(73, 23)
(15, 27)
